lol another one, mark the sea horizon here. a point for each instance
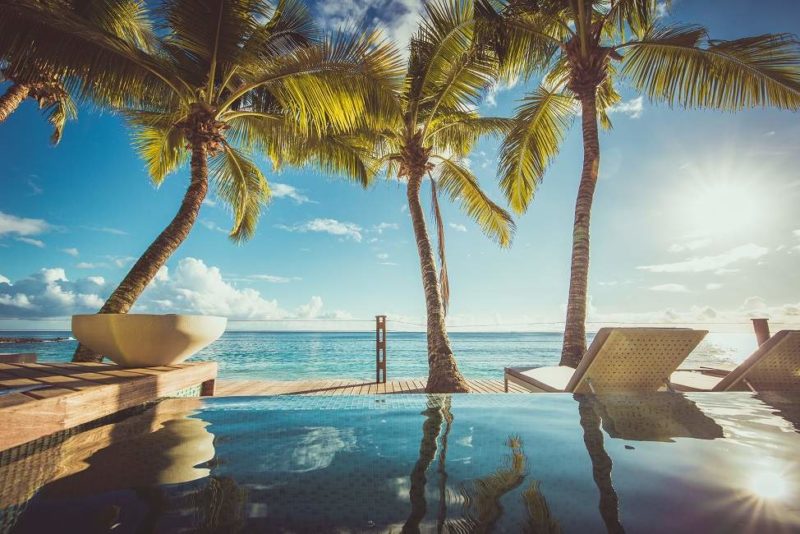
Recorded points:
(286, 355)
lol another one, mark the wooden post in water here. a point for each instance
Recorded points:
(761, 326)
(380, 348)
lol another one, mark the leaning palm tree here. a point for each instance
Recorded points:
(31, 78)
(435, 130)
(222, 80)
(585, 47)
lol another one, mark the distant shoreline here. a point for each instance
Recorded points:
(21, 340)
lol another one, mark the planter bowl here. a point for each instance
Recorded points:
(141, 340)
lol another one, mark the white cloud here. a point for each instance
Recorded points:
(328, 226)
(194, 287)
(495, 89)
(632, 108)
(288, 191)
(713, 285)
(670, 288)
(662, 10)
(71, 251)
(87, 265)
(121, 261)
(191, 287)
(106, 230)
(31, 241)
(716, 263)
(272, 279)
(209, 202)
(21, 226)
(458, 227)
(385, 226)
(49, 293)
(310, 310)
(692, 244)
(4, 280)
(35, 188)
(211, 225)
(383, 256)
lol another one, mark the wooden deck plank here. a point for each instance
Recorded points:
(79, 394)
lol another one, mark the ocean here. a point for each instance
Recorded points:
(305, 355)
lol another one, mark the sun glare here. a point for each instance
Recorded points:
(769, 486)
(723, 208)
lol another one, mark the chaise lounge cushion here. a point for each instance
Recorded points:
(693, 381)
(546, 378)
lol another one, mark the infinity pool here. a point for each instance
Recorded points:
(467, 463)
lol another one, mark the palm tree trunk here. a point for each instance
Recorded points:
(443, 373)
(12, 98)
(575, 327)
(159, 251)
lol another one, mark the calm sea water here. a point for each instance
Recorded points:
(297, 355)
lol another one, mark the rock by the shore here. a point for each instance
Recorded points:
(32, 339)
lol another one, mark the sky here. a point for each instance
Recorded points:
(694, 221)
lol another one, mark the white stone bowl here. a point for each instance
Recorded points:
(141, 340)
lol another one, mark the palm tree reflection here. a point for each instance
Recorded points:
(601, 464)
(650, 417)
(431, 428)
(481, 497)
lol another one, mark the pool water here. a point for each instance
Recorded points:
(664, 462)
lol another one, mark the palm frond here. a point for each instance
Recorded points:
(163, 149)
(337, 84)
(635, 16)
(348, 155)
(456, 132)
(461, 186)
(241, 185)
(680, 65)
(524, 41)
(543, 119)
(93, 61)
(58, 113)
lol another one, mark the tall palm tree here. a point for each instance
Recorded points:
(31, 78)
(585, 47)
(223, 79)
(435, 130)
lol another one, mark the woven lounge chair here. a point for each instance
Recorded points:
(775, 366)
(618, 360)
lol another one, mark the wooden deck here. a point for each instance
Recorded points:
(233, 388)
(64, 395)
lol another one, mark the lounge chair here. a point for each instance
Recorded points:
(618, 360)
(775, 366)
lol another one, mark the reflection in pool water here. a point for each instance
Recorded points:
(412, 463)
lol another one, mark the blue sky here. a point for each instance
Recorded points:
(694, 219)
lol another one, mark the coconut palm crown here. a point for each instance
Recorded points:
(585, 48)
(435, 129)
(219, 81)
(32, 78)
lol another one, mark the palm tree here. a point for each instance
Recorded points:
(434, 131)
(223, 79)
(34, 79)
(585, 47)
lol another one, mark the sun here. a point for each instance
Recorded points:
(720, 206)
